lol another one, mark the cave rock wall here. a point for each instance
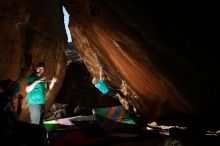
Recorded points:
(32, 31)
(163, 51)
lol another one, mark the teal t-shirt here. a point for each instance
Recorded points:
(102, 87)
(37, 95)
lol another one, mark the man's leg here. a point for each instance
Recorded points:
(42, 113)
(36, 113)
(117, 91)
(113, 90)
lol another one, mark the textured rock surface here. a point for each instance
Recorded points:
(164, 51)
(32, 31)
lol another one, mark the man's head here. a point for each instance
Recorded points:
(40, 68)
(95, 81)
(10, 87)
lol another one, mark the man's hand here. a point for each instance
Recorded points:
(54, 80)
(43, 79)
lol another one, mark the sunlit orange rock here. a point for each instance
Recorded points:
(32, 31)
(158, 49)
(164, 52)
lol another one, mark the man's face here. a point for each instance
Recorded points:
(40, 70)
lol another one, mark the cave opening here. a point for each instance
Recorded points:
(66, 24)
(71, 53)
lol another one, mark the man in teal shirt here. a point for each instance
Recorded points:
(102, 87)
(36, 93)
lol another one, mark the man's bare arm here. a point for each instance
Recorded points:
(101, 74)
(32, 85)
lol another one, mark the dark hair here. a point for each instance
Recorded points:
(10, 87)
(41, 64)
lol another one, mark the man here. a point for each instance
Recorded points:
(107, 90)
(36, 93)
(8, 113)
(9, 92)
(101, 86)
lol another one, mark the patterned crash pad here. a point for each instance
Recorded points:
(79, 130)
(115, 119)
